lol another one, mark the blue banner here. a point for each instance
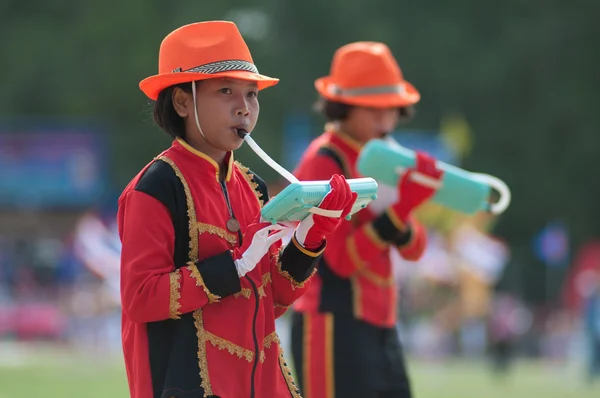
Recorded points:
(52, 168)
(551, 245)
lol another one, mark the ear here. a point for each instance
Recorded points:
(182, 102)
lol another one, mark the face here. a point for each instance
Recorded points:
(365, 124)
(223, 106)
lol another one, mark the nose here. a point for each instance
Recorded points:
(242, 108)
(388, 118)
(244, 111)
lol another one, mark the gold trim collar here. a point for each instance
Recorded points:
(210, 160)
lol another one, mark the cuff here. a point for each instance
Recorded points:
(414, 247)
(390, 228)
(217, 275)
(298, 264)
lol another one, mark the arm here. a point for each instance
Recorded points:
(415, 245)
(152, 289)
(291, 266)
(352, 248)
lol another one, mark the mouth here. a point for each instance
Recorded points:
(240, 131)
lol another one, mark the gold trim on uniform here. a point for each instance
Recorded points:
(214, 230)
(247, 292)
(174, 294)
(344, 137)
(306, 348)
(287, 374)
(193, 256)
(212, 298)
(358, 262)
(266, 279)
(381, 281)
(233, 349)
(306, 251)
(398, 223)
(248, 175)
(329, 357)
(195, 228)
(202, 362)
(237, 350)
(209, 159)
(269, 340)
(356, 297)
(191, 210)
(286, 275)
(411, 239)
(374, 236)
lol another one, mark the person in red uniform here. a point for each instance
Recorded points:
(344, 339)
(201, 275)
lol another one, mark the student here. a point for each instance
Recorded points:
(201, 275)
(344, 337)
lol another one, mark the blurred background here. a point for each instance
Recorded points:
(498, 307)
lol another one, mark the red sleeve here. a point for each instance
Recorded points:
(291, 270)
(152, 289)
(415, 247)
(350, 248)
(353, 247)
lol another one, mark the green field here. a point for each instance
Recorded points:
(48, 373)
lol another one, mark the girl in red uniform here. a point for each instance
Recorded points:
(201, 276)
(344, 338)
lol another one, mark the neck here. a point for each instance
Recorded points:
(215, 154)
(348, 135)
(344, 129)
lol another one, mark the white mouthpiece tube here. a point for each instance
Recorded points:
(274, 165)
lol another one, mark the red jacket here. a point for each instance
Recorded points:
(355, 274)
(191, 327)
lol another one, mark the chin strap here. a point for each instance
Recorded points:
(196, 113)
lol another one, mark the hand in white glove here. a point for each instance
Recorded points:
(256, 244)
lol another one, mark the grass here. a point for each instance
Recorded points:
(50, 373)
(459, 379)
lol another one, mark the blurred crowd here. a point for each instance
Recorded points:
(451, 302)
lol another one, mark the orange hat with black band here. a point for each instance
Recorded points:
(367, 74)
(200, 51)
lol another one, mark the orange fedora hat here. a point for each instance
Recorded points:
(200, 51)
(367, 74)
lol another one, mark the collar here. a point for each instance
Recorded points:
(348, 141)
(195, 155)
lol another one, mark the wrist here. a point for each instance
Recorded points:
(392, 228)
(311, 245)
(399, 216)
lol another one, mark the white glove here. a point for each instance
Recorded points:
(257, 242)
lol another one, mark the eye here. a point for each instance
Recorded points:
(225, 90)
(253, 94)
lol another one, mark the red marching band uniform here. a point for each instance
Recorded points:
(344, 337)
(200, 297)
(179, 285)
(356, 252)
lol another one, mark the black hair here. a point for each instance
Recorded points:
(164, 113)
(338, 111)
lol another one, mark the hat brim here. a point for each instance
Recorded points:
(153, 85)
(408, 97)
